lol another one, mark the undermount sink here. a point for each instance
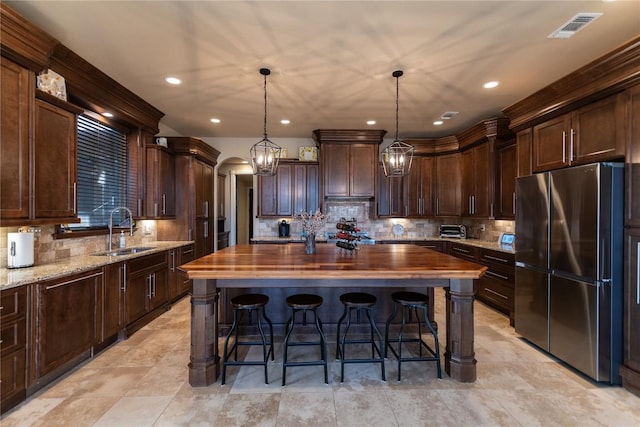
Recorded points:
(126, 251)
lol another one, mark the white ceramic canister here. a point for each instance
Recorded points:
(20, 249)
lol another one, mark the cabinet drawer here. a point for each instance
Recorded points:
(13, 304)
(434, 245)
(12, 379)
(490, 258)
(496, 291)
(147, 262)
(463, 251)
(12, 336)
(506, 275)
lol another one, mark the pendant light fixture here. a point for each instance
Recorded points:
(396, 158)
(265, 155)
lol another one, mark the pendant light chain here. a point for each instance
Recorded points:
(265, 102)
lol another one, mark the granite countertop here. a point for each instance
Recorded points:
(10, 278)
(390, 238)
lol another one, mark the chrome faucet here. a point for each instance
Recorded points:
(111, 223)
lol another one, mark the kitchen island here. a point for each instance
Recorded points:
(287, 266)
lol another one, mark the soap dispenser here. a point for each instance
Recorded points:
(122, 240)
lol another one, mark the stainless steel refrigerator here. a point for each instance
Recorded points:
(569, 265)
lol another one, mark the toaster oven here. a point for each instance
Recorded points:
(453, 230)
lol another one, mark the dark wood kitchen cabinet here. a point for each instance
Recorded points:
(390, 198)
(506, 174)
(349, 162)
(66, 322)
(419, 187)
(160, 175)
(523, 150)
(194, 164)
(38, 147)
(595, 132)
(13, 340)
(115, 276)
(630, 371)
(178, 282)
(477, 176)
(146, 290)
(497, 286)
(632, 163)
(448, 185)
(16, 100)
(293, 189)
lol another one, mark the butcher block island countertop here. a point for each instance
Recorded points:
(288, 266)
(369, 262)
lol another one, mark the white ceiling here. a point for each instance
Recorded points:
(331, 61)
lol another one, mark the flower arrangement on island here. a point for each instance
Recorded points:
(312, 223)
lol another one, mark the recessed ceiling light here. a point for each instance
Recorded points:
(285, 121)
(107, 114)
(371, 122)
(173, 80)
(214, 120)
(490, 85)
(438, 122)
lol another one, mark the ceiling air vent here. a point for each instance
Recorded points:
(574, 25)
(448, 115)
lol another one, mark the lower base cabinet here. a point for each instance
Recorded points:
(146, 288)
(66, 323)
(630, 371)
(13, 340)
(179, 283)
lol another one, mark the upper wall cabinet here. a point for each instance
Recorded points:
(589, 134)
(477, 178)
(293, 189)
(349, 160)
(632, 166)
(419, 187)
(160, 183)
(506, 173)
(448, 185)
(39, 169)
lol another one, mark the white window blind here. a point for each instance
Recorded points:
(102, 173)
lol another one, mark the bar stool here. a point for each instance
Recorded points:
(415, 301)
(249, 303)
(359, 302)
(303, 303)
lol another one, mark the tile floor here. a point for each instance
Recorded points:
(143, 382)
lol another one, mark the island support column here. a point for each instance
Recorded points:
(459, 357)
(204, 365)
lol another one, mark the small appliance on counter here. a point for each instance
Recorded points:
(284, 229)
(453, 230)
(20, 249)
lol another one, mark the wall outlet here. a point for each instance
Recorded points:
(147, 229)
(483, 227)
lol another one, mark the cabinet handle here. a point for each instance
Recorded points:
(564, 146)
(149, 286)
(75, 194)
(499, 276)
(571, 134)
(638, 274)
(206, 209)
(496, 293)
(154, 285)
(206, 229)
(155, 209)
(173, 260)
(57, 285)
(123, 278)
(495, 258)
(514, 203)
(491, 210)
(139, 207)
(190, 235)
(437, 205)
(460, 250)
(164, 204)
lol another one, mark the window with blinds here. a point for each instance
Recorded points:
(102, 173)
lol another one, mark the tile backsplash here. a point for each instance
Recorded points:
(382, 228)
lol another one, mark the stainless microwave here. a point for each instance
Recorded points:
(453, 230)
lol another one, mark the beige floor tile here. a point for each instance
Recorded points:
(134, 411)
(363, 409)
(249, 410)
(307, 409)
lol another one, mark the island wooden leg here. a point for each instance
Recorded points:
(459, 356)
(204, 365)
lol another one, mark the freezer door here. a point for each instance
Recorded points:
(575, 218)
(579, 325)
(532, 220)
(531, 306)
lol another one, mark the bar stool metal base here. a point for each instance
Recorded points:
(301, 303)
(248, 303)
(417, 302)
(359, 302)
